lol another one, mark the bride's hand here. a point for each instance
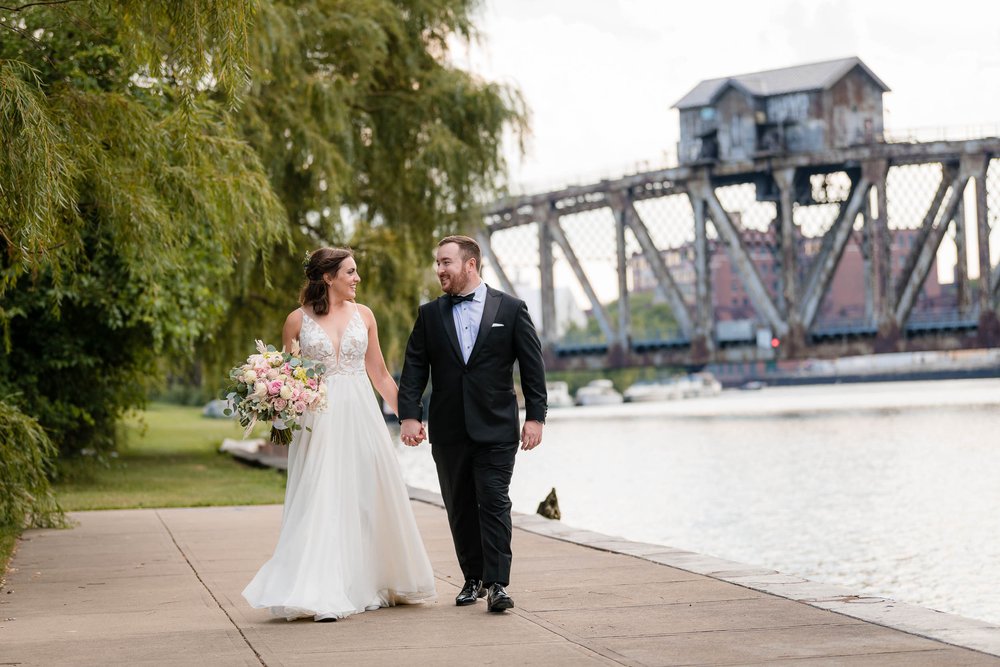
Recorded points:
(411, 432)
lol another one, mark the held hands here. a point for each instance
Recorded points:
(531, 435)
(412, 432)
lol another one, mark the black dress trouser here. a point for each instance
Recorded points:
(475, 484)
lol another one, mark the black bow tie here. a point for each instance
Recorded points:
(456, 299)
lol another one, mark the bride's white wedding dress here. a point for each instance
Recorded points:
(349, 541)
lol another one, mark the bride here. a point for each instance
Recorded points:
(349, 541)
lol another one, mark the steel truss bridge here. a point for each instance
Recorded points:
(744, 258)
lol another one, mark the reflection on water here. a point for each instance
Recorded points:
(884, 491)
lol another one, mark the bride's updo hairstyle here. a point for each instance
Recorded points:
(320, 263)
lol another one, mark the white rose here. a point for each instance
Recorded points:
(286, 392)
(249, 377)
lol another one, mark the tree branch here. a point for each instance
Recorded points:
(34, 42)
(40, 3)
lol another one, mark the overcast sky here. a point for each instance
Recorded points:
(600, 76)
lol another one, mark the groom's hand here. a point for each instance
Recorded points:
(411, 432)
(531, 435)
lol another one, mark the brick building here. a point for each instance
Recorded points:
(844, 302)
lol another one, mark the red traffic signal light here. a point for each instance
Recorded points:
(775, 343)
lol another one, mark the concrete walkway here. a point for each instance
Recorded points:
(142, 587)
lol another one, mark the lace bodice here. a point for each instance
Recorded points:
(316, 344)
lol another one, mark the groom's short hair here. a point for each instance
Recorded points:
(468, 247)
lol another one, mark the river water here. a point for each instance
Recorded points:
(886, 489)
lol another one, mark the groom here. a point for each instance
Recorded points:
(467, 341)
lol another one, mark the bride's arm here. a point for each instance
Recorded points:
(375, 364)
(290, 332)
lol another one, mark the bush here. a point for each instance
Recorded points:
(78, 370)
(26, 456)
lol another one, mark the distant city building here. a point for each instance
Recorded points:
(802, 109)
(844, 302)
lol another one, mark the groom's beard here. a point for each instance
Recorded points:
(456, 284)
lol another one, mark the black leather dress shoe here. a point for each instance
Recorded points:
(497, 599)
(472, 591)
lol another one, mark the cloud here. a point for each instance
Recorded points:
(600, 75)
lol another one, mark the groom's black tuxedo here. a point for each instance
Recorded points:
(473, 422)
(475, 400)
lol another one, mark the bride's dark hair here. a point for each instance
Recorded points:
(319, 263)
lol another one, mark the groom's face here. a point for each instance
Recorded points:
(454, 274)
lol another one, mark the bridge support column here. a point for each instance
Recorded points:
(795, 338)
(961, 259)
(887, 336)
(624, 310)
(988, 333)
(703, 338)
(549, 335)
(866, 257)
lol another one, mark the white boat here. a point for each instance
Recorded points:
(703, 384)
(558, 394)
(598, 392)
(652, 390)
(753, 385)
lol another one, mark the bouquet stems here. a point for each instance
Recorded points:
(281, 436)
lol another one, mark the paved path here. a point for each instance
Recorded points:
(143, 587)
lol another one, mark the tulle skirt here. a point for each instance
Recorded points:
(348, 541)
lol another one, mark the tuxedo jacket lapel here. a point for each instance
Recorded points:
(489, 316)
(448, 321)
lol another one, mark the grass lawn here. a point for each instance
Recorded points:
(170, 458)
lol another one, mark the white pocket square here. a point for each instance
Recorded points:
(495, 324)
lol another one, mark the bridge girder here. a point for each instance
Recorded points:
(792, 313)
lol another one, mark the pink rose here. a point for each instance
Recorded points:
(300, 407)
(280, 404)
(274, 387)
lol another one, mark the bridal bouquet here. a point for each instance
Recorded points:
(278, 387)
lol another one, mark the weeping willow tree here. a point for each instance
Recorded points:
(164, 167)
(372, 139)
(126, 195)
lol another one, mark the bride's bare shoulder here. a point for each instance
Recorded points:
(293, 323)
(366, 313)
